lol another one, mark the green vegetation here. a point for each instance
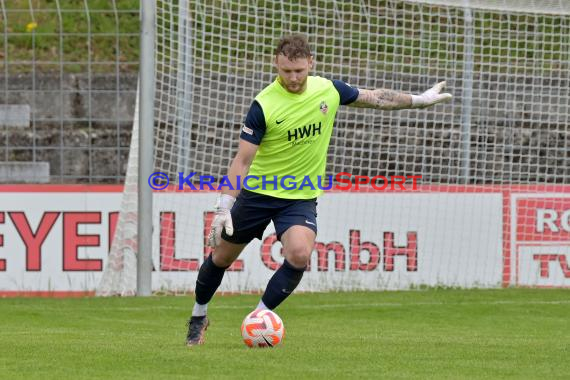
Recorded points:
(384, 36)
(431, 334)
(103, 36)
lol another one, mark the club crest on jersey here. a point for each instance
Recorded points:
(324, 108)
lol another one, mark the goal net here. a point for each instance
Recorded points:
(485, 201)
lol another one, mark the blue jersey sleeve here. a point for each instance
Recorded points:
(347, 93)
(254, 126)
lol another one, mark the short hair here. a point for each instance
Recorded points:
(293, 46)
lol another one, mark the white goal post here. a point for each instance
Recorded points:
(492, 205)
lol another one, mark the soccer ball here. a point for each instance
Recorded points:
(262, 328)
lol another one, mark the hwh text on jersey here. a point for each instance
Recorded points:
(304, 131)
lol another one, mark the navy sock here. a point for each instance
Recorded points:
(209, 279)
(283, 282)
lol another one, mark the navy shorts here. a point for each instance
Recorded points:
(252, 213)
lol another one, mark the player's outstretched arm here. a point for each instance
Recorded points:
(393, 100)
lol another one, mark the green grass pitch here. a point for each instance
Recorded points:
(428, 334)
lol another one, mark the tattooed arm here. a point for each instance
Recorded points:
(393, 100)
(382, 99)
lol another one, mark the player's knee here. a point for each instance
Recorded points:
(222, 261)
(225, 254)
(298, 256)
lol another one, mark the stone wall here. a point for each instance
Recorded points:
(81, 126)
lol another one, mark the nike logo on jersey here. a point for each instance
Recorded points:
(309, 222)
(279, 121)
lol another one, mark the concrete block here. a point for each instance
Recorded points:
(24, 172)
(14, 115)
(106, 99)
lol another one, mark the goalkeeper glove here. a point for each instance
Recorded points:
(430, 97)
(222, 219)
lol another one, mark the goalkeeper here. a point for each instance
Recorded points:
(286, 133)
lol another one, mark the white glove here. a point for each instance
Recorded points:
(222, 219)
(431, 97)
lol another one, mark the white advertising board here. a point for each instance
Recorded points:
(59, 241)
